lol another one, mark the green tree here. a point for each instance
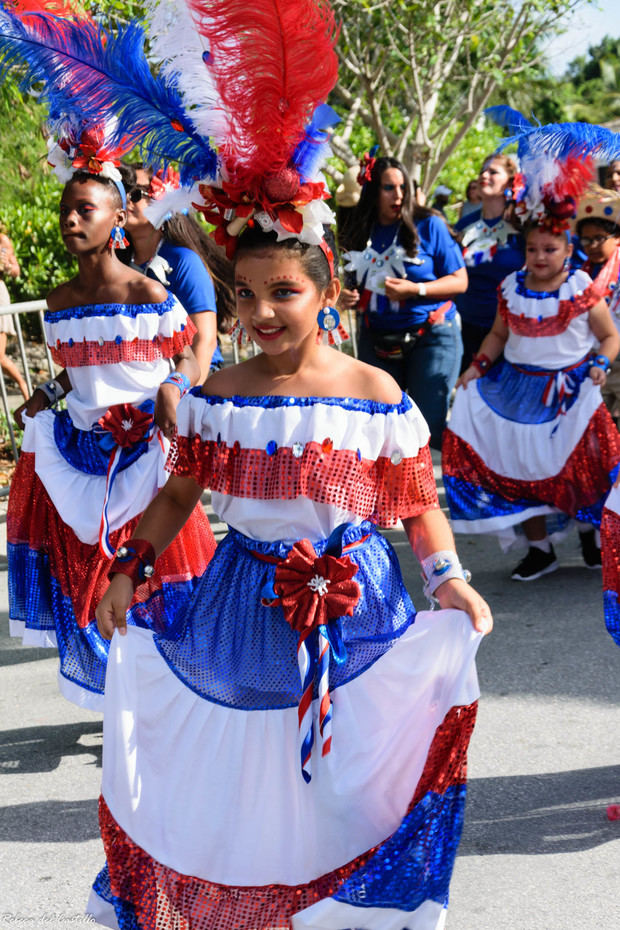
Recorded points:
(418, 74)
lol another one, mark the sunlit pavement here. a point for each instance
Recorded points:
(538, 852)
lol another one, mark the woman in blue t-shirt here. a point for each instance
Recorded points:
(492, 247)
(181, 255)
(404, 269)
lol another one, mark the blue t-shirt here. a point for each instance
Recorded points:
(438, 255)
(189, 281)
(478, 305)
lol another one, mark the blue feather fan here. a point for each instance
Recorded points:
(556, 140)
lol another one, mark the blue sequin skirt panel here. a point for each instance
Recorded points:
(241, 654)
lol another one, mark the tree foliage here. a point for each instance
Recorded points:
(417, 74)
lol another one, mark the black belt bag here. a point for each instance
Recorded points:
(399, 344)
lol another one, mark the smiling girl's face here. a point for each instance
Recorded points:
(277, 302)
(545, 257)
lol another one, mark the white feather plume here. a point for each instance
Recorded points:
(178, 48)
(179, 200)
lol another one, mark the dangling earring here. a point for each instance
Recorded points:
(566, 264)
(333, 332)
(118, 239)
(239, 334)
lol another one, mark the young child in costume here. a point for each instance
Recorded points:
(598, 229)
(531, 437)
(313, 726)
(303, 600)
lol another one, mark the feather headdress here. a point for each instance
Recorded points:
(256, 87)
(556, 164)
(90, 76)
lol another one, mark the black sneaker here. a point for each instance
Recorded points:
(590, 551)
(535, 564)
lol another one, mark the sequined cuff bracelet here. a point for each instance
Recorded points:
(180, 380)
(136, 559)
(53, 390)
(439, 567)
(600, 361)
(482, 363)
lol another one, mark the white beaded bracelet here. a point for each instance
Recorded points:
(439, 567)
(53, 390)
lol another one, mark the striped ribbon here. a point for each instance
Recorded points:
(311, 669)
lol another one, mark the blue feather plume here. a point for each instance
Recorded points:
(312, 150)
(87, 75)
(556, 140)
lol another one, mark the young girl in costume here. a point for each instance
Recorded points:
(86, 473)
(172, 247)
(531, 436)
(123, 342)
(360, 791)
(312, 727)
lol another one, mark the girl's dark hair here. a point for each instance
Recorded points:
(311, 257)
(611, 228)
(81, 176)
(185, 231)
(363, 217)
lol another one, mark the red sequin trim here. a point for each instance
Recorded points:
(82, 354)
(377, 490)
(568, 310)
(78, 567)
(167, 900)
(610, 550)
(583, 480)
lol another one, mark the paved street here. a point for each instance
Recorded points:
(538, 852)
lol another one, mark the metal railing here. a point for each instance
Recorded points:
(28, 306)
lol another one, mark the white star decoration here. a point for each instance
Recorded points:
(319, 585)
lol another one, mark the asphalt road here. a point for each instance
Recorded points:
(538, 852)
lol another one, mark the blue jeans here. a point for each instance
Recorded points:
(427, 373)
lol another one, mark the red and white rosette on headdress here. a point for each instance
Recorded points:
(168, 197)
(85, 150)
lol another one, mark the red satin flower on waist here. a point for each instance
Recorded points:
(127, 424)
(315, 589)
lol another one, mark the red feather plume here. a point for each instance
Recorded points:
(573, 178)
(271, 66)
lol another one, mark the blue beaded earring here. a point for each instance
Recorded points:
(333, 332)
(328, 319)
(118, 239)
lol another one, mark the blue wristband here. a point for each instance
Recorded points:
(180, 380)
(600, 361)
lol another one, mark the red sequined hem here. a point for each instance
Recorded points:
(78, 567)
(82, 354)
(610, 550)
(167, 900)
(583, 480)
(532, 326)
(381, 490)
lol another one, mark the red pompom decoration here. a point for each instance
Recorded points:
(281, 187)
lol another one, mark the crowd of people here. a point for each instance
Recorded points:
(305, 724)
